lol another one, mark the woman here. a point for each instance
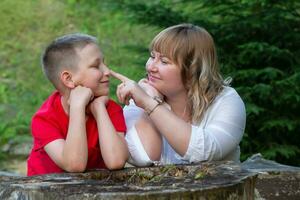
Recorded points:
(184, 111)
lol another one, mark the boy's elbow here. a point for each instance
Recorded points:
(76, 167)
(116, 164)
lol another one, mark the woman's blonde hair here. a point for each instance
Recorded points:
(192, 49)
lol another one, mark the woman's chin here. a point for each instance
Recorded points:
(152, 84)
(156, 86)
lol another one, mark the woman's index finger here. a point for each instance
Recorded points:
(119, 76)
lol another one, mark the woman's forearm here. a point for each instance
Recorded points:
(174, 129)
(149, 136)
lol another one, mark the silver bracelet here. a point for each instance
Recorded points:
(159, 101)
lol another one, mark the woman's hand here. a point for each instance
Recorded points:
(150, 90)
(130, 89)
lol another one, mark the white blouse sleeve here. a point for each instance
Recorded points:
(137, 153)
(221, 132)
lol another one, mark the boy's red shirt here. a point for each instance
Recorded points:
(51, 122)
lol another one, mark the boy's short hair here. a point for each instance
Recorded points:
(61, 54)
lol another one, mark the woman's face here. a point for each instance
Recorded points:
(164, 75)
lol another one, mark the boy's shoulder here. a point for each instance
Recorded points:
(51, 104)
(113, 106)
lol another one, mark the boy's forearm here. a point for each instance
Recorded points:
(112, 144)
(75, 153)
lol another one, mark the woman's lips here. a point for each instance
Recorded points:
(152, 78)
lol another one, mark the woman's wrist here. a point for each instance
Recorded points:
(153, 104)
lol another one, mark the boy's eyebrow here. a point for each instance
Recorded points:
(96, 61)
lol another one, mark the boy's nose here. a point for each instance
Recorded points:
(106, 71)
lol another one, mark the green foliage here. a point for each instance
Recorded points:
(21, 43)
(258, 45)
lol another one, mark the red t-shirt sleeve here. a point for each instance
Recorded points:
(115, 113)
(44, 130)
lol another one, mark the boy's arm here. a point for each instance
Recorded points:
(72, 154)
(112, 143)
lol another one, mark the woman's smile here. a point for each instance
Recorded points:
(152, 78)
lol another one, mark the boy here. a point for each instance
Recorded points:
(77, 127)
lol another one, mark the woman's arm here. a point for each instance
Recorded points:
(219, 135)
(144, 142)
(176, 131)
(221, 132)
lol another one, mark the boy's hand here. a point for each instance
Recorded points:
(97, 103)
(80, 96)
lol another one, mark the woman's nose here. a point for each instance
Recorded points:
(151, 65)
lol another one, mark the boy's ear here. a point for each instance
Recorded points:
(66, 78)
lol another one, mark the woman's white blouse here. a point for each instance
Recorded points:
(216, 137)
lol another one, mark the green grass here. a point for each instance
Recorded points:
(28, 26)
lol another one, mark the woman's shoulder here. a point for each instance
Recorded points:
(227, 106)
(228, 92)
(228, 98)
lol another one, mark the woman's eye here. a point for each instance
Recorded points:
(152, 55)
(163, 61)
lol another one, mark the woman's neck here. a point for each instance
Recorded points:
(179, 105)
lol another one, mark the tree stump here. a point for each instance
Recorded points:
(218, 180)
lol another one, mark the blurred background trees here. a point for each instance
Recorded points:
(258, 46)
(257, 40)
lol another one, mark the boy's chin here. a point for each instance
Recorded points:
(99, 94)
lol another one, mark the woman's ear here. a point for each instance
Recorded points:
(66, 78)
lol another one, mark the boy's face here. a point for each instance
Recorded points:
(91, 71)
